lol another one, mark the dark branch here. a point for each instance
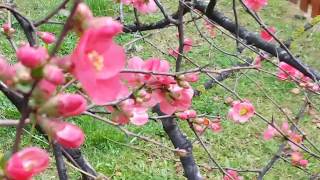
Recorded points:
(180, 141)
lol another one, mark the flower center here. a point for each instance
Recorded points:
(96, 60)
(243, 111)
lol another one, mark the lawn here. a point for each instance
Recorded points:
(115, 155)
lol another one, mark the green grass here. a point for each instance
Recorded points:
(239, 146)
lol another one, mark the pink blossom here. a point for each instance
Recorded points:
(63, 63)
(130, 111)
(47, 37)
(97, 63)
(266, 36)
(53, 74)
(144, 6)
(27, 163)
(157, 65)
(297, 159)
(270, 133)
(303, 163)
(286, 71)
(32, 57)
(255, 5)
(71, 105)
(233, 174)
(187, 114)
(241, 111)
(111, 27)
(297, 139)
(46, 88)
(64, 133)
(187, 46)
(175, 99)
(216, 127)
(134, 79)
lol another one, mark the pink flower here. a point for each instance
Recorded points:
(32, 57)
(187, 114)
(216, 127)
(270, 133)
(233, 174)
(266, 36)
(111, 27)
(255, 5)
(46, 88)
(53, 74)
(27, 163)
(97, 62)
(157, 65)
(134, 79)
(175, 99)
(286, 71)
(64, 133)
(71, 105)
(144, 6)
(47, 37)
(297, 159)
(303, 163)
(241, 111)
(187, 46)
(132, 112)
(297, 139)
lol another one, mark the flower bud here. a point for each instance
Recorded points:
(26, 163)
(54, 74)
(8, 30)
(47, 37)
(65, 105)
(82, 17)
(32, 57)
(182, 115)
(64, 133)
(64, 63)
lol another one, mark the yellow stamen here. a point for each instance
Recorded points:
(96, 60)
(243, 111)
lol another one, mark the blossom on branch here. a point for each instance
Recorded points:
(98, 60)
(255, 5)
(47, 37)
(241, 111)
(64, 133)
(26, 163)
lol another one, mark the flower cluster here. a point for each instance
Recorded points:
(271, 131)
(287, 72)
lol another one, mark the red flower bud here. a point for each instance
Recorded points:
(64, 133)
(26, 163)
(54, 74)
(47, 37)
(71, 105)
(32, 57)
